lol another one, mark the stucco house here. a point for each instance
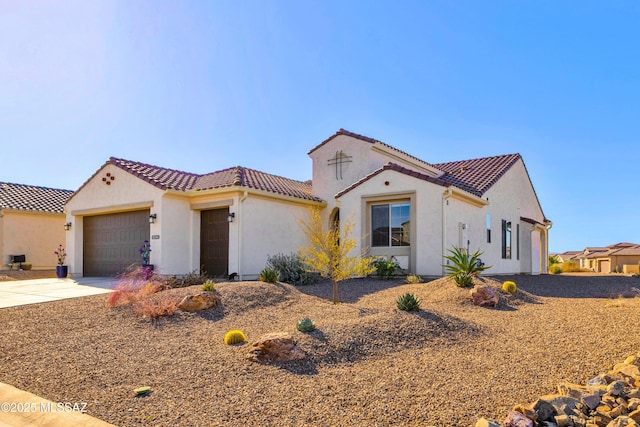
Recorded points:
(32, 223)
(623, 257)
(231, 220)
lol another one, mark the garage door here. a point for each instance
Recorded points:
(605, 266)
(111, 242)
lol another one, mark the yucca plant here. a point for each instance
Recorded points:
(408, 302)
(414, 279)
(464, 266)
(208, 286)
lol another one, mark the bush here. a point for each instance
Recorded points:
(291, 269)
(234, 336)
(269, 275)
(305, 325)
(127, 291)
(570, 266)
(555, 269)
(208, 286)
(163, 305)
(408, 302)
(509, 287)
(385, 269)
(464, 266)
(414, 280)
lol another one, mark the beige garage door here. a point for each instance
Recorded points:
(111, 242)
(605, 266)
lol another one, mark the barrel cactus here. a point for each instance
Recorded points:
(234, 336)
(408, 302)
(305, 325)
(509, 287)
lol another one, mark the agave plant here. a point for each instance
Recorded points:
(464, 266)
(408, 302)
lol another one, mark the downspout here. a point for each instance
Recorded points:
(548, 226)
(240, 221)
(445, 197)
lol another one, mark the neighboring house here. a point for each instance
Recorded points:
(31, 224)
(231, 220)
(568, 256)
(621, 257)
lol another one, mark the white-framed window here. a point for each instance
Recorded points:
(391, 224)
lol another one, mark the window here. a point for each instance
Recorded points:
(390, 224)
(506, 239)
(488, 228)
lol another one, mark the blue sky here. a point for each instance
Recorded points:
(205, 85)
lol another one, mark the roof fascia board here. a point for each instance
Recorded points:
(466, 197)
(113, 208)
(423, 167)
(235, 191)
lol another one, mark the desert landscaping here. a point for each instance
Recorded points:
(367, 363)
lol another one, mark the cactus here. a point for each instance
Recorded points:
(408, 302)
(208, 286)
(234, 336)
(509, 287)
(305, 325)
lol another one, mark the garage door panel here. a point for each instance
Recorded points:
(111, 242)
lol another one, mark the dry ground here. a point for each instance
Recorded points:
(368, 365)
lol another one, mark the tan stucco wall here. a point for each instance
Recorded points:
(125, 193)
(34, 234)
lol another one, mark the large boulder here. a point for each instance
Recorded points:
(276, 347)
(485, 296)
(198, 302)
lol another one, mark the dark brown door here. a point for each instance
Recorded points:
(111, 242)
(214, 242)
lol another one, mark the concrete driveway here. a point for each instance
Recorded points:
(22, 292)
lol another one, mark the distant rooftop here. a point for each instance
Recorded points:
(33, 198)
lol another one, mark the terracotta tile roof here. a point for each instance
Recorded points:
(370, 140)
(232, 177)
(160, 177)
(628, 251)
(33, 198)
(397, 168)
(477, 175)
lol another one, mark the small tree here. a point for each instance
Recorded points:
(328, 252)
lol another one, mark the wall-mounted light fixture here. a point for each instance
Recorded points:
(231, 216)
(67, 226)
(152, 218)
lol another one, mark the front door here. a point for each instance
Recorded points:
(214, 242)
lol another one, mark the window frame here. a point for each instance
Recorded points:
(404, 236)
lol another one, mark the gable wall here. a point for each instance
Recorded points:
(125, 193)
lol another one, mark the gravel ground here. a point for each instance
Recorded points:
(368, 365)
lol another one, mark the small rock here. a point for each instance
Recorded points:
(622, 421)
(483, 422)
(544, 410)
(516, 419)
(484, 296)
(616, 388)
(197, 302)
(276, 347)
(591, 400)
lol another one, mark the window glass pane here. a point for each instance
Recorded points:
(400, 224)
(508, 241)
(380, 225)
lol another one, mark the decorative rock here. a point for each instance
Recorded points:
(276, 347)
(516, 419)
(483, 422)
(635, 415)
(484, 296)
(616, 388)
(544, 410)
(198, 302)
(622, 422)
(627, 369)
(591, 400)
(562, 420)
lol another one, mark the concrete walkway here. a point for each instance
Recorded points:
(21, 292)
(20, 408)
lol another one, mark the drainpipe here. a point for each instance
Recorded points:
(445, 197)
(548, 226)
(240, 221)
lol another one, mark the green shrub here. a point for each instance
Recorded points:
(291, 269)
(408, 302)
(305, 325)
(208, 286)
(509, 287)
(269, 275)
(555, 269)
(570, 266)
(464, 266)
(385, 269)
(234, 336)
(554, 259)
(413, 279)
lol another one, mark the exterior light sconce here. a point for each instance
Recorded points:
(152, 218)
(231, 216)
(67, 226)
